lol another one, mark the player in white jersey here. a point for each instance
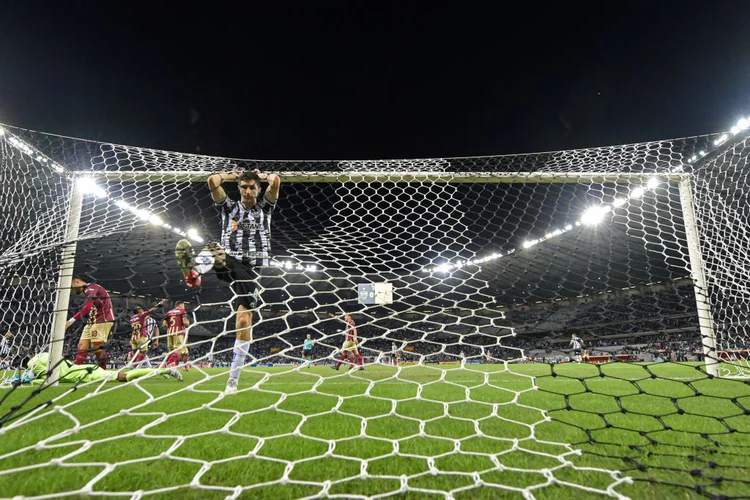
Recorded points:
(395, 354)
(5, 344)
(577, 345)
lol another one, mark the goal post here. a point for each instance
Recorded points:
(67, 264)
(708, 334)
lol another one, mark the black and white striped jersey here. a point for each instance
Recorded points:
(152, 329)
(246, 233)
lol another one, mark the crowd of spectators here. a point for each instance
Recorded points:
(648, 325)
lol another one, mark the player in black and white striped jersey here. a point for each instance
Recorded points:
(577, 345)
(245, 242)
(6, 343)
(152, 333)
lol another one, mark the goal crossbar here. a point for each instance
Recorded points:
(396, 176)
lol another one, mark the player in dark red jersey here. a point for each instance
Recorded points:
(101, 319)
(176, 323)
(139, 338)
(350, 344)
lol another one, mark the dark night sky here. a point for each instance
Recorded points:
(374, 79)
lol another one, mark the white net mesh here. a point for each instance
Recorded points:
(470, 384)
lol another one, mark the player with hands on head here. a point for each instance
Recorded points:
(244, 244)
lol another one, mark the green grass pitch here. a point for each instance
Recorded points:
(643, 431)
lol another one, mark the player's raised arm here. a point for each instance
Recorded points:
(274, 183)
(157, 306)
(215, 185)
(342, 320)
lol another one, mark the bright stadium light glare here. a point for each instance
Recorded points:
(652, 183)
(636, 192)
(529, 243)
(2, 131)
(734, 130)
(743, 123)
(58, 168)
(443, 268)
(594, 215)
(122, 204)
(619, 202)
(155, 220)
(87, 185)
(192, 233)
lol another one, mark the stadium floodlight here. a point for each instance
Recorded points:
(653, 182)
(594, 215)
(156, 220)
(636, 192)
(2, 131)
(58, 168)
(143, 214)
(442, 268)
(530, 243)
(743, 123)
(87, 185)
(122, 204)
(734, 130)
(192, 233)
(619, 202)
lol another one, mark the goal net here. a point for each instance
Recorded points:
(537, 325)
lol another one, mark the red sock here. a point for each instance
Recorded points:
(139, 358)
(101, 357)
(343, 358)
(81, 358)
(185, 360)
(359, 359)
(173, 359)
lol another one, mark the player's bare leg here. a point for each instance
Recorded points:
(243, 325)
